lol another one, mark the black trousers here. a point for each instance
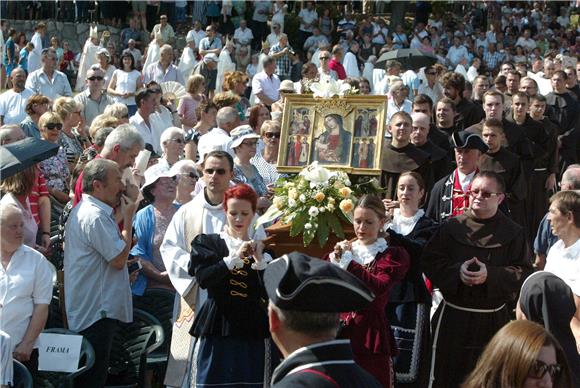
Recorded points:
(100, 335)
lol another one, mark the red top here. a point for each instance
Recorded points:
(39, 189)
(337, 66)
(79, 185)
(460, 198)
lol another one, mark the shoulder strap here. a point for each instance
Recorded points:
(323, 375)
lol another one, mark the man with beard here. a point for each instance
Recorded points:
(468, 113)
(95, 258)
(507, 165)
(478, 260)
(450, 195)
(541, 181)
(399, 155)
(566, 112)
(13, 101)
(420, 139)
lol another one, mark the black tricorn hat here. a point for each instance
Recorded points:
(468, 140)
(302, 283)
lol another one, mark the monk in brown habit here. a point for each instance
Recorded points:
(478, 260)
(440, 161)
(399, 155)
(508, 165)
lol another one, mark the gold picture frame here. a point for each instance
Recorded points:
(341, 133)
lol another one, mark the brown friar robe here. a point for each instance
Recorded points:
(469, 316)
(398, 160)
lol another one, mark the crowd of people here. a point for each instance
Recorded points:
(166, 159)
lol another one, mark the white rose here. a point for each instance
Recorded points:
(316, 174)
(302, 198)
(313, 211)
(291, 202)
(308, 226)
(322, 209)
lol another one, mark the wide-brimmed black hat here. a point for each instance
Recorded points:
(468, 140)
(302, 283)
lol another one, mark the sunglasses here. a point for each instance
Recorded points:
(154, 90)
(250, 143)
(324, 58)
(53, 126)
(211, 171)
(178, 141)
(274, 135)
(484, 194)
(191, 175)
(96, 78)
(540, 368)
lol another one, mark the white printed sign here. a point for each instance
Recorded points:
(59, 352)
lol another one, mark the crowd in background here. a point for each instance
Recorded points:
(167, 156)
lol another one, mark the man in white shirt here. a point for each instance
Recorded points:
(274, 36)
(432, 87)
(25, 288)
(307, 17)
(164, 70)
(266, 84)
(47, 80)
(457, 52)
(98, 292)
(13, 101)
(196, 34)
(526, 41)
(315, 40)
(210, 44)
(324, 71)
(141, 120)
(34, 60)
(243, 35)
(227, 119)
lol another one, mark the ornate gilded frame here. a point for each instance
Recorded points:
(313, 123)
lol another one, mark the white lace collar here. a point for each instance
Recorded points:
(232, 242)
(365, 254)
(404, 225)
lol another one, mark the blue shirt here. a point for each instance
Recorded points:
(544, 239)
(58, 86)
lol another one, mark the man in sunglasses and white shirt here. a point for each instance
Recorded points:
(94, 98)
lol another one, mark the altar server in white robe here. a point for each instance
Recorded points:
(88, 58)
(34, 59)
(225, 64)
(350, 63)
(188, 58)
(153, 51)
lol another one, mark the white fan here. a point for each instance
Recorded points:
(174, 88)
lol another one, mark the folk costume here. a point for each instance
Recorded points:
(298, 283)
(469, 316)
(398, 160)
(379, 267)
(232, 325)
(410, 301)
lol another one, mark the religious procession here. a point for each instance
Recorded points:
(248, 194)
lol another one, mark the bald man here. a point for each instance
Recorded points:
(420, 138)
(13, 101)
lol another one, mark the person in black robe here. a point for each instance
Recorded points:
(422, 103)
(399, 155)
(306, 296)
(440, 162)
(549, 301)
(478, 260)
(566, 113)
(540, 170)
(468, 113)
(450, 195)
(508, 165)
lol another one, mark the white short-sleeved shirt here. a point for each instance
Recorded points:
(126, 82)
(269, 85)
(13, 105)
(27, 281)
(244, 36)
(39, 83)
(565, 263)
(95, 289)
(308, 16)
(197, 36)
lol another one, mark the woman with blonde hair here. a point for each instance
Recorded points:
(69, 111)
(237, 82)
(118, 111)
(522, 354)
(188, 104)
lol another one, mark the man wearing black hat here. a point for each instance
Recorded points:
(478, 260)
(306, 297)
(450, 195)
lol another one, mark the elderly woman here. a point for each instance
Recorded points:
(150, 225)
(186, 173)
(244, 143)
(36, 106)
(267, 160)
(233, 320)
(188, 104)
(29, 276)
(104, 59)
(172, 142)
(55, 169)
(286, 88)
(207, 112)
(69, 111)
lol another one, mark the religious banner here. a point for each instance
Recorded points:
(340, 133)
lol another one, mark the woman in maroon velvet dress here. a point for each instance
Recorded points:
(379, 266)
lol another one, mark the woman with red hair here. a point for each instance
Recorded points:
(232, 325)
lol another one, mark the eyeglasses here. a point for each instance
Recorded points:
(324, 58)
(96, 78)
(53, 126)
(540, 368)
(270, 135)
(177, 140)
(191, 175)
(211, 171)
(484, 194)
